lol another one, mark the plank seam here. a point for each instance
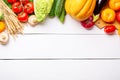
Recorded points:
(52, 59)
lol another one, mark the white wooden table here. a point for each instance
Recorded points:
(55, 51)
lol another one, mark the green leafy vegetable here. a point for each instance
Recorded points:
(42, 8)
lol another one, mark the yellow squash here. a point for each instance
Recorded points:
(80, 9)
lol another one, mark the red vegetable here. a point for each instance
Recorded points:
(110, 29)
(29, 8)
(88, 23)
(23, 17)
(17, 7)
(24, 1)
(118, 16)
(11, 1)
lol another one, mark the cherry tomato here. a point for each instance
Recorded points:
(11, 1)
(17, 7)
(110, 29)
(24, 1)
(118, 16)
(29, 8)
(23, 17)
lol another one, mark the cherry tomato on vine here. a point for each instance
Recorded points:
(24, 1)
(23, 17)
(29, 8)
(17, 7)
(11, 1)
(110, 29)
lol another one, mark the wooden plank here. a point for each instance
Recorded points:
(62, 46)
(55, 26)
(60, 70)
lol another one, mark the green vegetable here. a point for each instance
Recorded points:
(8, 4)
(52, 12)
(96, 17)
(42, 9)
(1, 14)
(59, 7)
(62, 17)
(31, 0)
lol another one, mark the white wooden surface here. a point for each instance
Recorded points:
(62, 46)
(54, 40)
(60, 70)
(53, 25)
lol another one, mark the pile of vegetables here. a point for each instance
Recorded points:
(36, 11)
(15, 12)
(102, 13)
(110, 17)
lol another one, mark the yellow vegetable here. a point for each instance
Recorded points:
(119, 32)
(2, 26)
(80, 9)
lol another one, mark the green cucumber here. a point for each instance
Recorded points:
(52, 11)
(59, 7)
(62, 17)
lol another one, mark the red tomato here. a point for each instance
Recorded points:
(29, 8)
(24, 1)
(118, 16)
(17, 7)
(23, 17)
(11, 1)
(110, 29)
